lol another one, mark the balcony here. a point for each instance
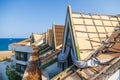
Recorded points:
(21, 59)
(20, 71)
(27, 49)
(20, 68)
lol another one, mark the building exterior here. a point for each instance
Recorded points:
(85, 32)
(32, 71)
(54, 39)
(57, 31)
(90, 46)
(23, 50)
(86, 48)
(49, 38)
(48, 44)
(48, 52)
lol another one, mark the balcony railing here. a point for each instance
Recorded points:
(21, 59)
(20, 70)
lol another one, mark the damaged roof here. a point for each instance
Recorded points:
(34, 40)
(49, 37)
(91, 30)
(58, 31)
(97, 36)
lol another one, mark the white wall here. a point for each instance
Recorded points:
(27, 49)
(40, 43)
(22, 62)
(13, 60)
(115, 76)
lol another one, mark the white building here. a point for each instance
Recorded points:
(23, 50)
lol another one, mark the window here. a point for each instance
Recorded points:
(21, 56)
(18, 67)
(23, 67)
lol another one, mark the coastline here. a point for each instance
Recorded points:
(6, 51)
(3, 64)
(5, 54)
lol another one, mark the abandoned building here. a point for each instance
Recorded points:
(87, 47)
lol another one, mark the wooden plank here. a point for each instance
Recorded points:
(87, 33)
(105, 68)
(90, 32)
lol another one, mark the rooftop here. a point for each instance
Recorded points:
(34, 40)
(58, 34)
(91, 30)
(96, 36)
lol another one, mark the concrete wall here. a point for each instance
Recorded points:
(115, 76)
(22, 62)
(27, 49)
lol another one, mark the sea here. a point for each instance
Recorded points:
(4, 42)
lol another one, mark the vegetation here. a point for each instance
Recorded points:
(49, 63)
(77, 49)
(12, 74)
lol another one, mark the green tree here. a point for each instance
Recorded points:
(12, 74)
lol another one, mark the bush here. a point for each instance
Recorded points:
(12, 74)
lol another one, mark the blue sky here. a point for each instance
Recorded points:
(19, 18)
